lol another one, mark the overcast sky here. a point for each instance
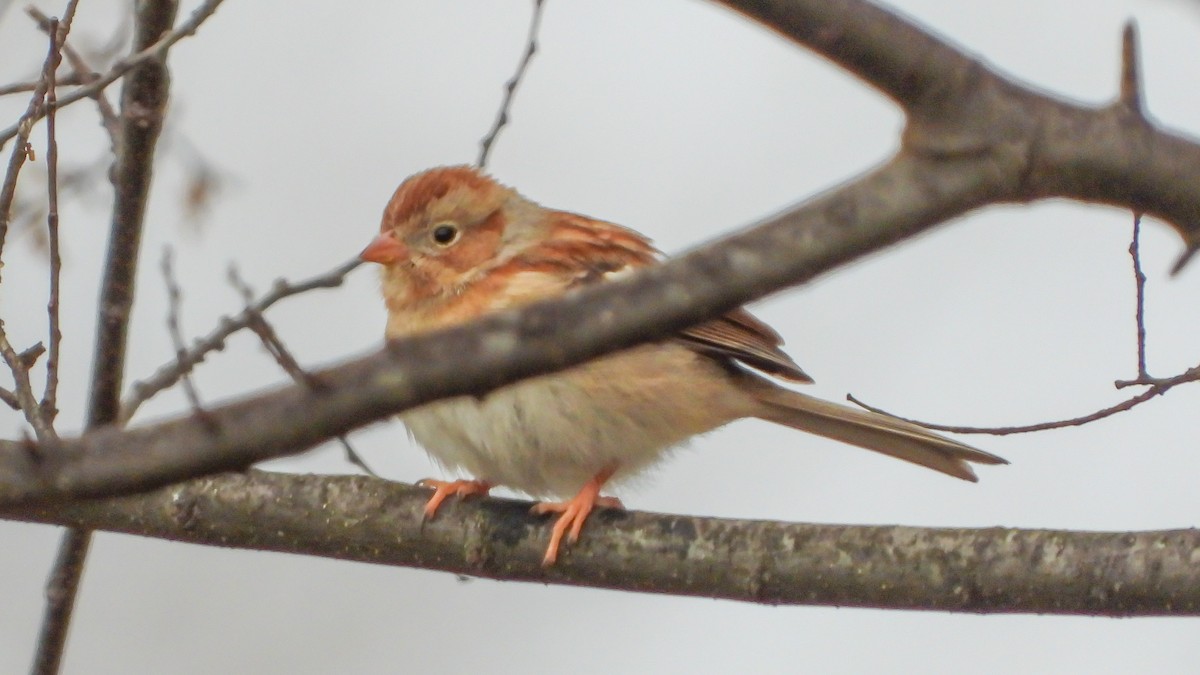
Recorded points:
(682, 120)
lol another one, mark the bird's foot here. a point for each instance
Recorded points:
(574, 512)
(447, 488)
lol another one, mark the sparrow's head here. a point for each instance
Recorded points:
(444, 227)
(454, 243)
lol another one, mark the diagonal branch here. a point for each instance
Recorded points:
(958, 109)
(510, 87)
(792, 247)
(1024, 146)
(973, 138)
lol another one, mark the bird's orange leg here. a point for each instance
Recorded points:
(446, 488)
(575, 512)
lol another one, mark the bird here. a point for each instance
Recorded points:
(455, 244)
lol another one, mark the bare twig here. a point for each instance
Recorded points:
(49, 404)
(152, 52)
(510, 87)
(27, 403)
(267, 335)
(1139, 281)
(174, 300)
(40, 416)
(24, 126)
(170, 373)
(275, 347)
(22, 87)
(1159, 387)
(49, 653)
(30, 356)
(83, 74)
(1130, 98)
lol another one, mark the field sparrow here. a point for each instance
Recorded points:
(455, 244)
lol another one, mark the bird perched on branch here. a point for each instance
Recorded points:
(455, 244)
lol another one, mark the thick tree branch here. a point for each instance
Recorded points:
(911, 193)
(370, 520)
(959, 108)
(143, 102)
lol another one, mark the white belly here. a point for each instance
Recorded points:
(547, 436)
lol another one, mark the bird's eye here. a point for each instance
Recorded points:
(444, 234)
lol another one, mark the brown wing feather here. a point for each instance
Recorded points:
(595, 249)
(740, 336)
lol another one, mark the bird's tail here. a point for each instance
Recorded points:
(887, 435)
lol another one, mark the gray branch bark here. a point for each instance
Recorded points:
(963, 570)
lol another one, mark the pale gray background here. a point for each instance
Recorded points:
(684, 121)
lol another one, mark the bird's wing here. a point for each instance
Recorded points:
(586, 251)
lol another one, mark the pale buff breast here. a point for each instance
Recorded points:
(547, 436)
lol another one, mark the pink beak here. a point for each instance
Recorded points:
(385, 250)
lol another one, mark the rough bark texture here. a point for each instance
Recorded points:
(965, 570)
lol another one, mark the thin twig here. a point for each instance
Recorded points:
(27, 401)
(266, 333)
(24, 126)
(1160, 386)
(510, 87)
(151, 53)
(83, 74)
(22, 87)
(40, 416)
(49, 403)
(275, 347)
(1139, 281)
(174, 301)
(1131, 98)
(168, 374)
